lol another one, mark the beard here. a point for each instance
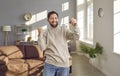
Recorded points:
(54, 24)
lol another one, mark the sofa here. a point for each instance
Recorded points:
(21, 60)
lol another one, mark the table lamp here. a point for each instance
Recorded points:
(6, 29)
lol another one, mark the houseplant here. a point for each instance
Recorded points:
(24, 30)
(91, 51)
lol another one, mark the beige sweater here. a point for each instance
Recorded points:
(54, 42)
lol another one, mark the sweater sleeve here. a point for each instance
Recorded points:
(42, 41)
(73, 34)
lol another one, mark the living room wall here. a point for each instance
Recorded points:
(12, 12)
(109, 62)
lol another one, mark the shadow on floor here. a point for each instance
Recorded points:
(81, 67)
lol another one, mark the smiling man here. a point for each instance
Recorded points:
(54, 43)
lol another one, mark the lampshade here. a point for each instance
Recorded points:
(6, 28)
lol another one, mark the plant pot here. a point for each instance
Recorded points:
(92, 61)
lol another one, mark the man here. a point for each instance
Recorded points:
(54, 42)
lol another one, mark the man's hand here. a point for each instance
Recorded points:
(73, 21)
(40, 30)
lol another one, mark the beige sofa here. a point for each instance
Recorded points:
(21, 60)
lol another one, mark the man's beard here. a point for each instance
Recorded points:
(54, 26)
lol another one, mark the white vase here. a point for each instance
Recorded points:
(92, 61)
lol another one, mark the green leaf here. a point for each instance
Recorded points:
(90, 50)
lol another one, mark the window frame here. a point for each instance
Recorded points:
(116, 27)
(86, 28)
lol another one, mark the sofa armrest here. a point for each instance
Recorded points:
(3, 60)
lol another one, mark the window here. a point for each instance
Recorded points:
(65, 19)
(116, 26)
(85, 19)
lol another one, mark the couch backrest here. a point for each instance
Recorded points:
(12, 51)
(22, 51)
(31, 51)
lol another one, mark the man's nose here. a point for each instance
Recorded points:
(54, 19)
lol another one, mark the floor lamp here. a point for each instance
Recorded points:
(6, 29)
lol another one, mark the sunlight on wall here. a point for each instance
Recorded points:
(26, 37)
(41, 16)
(65, 20)
(44, 27)
(35, 33)
(65, 6)
(37, 17)
(79, 2)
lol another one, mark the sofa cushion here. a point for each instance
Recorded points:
(17, 67)
(35, 66)
(34, 63)
(33, 51)
(11, 51)
(39, 50)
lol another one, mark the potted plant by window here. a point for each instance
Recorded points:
(91, 51)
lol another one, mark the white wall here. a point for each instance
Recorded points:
(103, 33)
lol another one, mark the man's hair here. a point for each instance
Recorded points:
(52, 12)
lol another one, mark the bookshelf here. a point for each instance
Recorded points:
(22, 32)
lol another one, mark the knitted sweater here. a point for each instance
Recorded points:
(54, 42)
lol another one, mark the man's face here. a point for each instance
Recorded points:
(53, 20)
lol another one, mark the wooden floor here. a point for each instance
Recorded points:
(81, 67)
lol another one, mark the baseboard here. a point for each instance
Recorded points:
(102, 70)
(105, 72)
